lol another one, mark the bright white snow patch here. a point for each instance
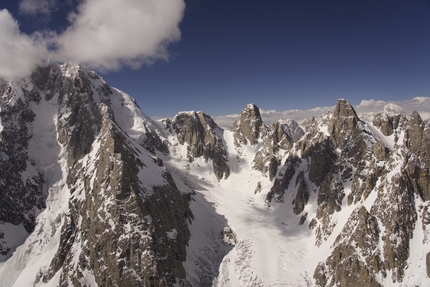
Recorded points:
(70, 69)
(388, 141)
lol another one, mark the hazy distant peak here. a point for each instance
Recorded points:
(392, 108)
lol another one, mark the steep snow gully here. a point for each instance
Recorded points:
(95, 193)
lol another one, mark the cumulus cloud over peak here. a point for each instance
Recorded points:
(20, 53)
(103, 34)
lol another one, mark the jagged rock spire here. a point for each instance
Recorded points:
(249, 126)
(343, 124)
(344, 109)
(250, 123)
(198, 130)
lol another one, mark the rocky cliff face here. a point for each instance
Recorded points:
(293, 129)
(95, 193)
(21, 181)
(251, 130)
(250, 126)
(125, 222)
(203, 139)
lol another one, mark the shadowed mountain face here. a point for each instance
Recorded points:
(95, 193)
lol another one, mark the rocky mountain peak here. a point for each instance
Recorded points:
(203, 139)
(388, 123)
(344, 109)
(343, 124)
(293, 129)
(276, 142)
(251, 110)
(416, 121)
(250, 126)
(417, 137)
(109, 197)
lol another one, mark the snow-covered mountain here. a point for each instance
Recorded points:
(95, 193)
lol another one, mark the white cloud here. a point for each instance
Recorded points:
(227, 120)
(103, 34)
(20, 53)
(420, 104)
(36, 7)
(370, 106)
(296, 115)
(107, 34)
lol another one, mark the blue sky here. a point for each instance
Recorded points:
(281, 55)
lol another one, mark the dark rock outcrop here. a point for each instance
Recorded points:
(417, 138)
(283, 179)
(268, 158)
(21, 181)
(293, 130)
(204, 139)
(345, 267)
(380, 151)
(393, 211)
(343, 125)
(302, 196)
(322, 157)
(387, 124)
(250, 127)
(18, 197)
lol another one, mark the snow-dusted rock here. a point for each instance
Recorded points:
(110, 200)
(203, 139)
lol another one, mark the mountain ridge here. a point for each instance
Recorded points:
(105, 196)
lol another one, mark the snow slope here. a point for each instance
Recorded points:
(271, 249)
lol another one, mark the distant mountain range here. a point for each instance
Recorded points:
(366, 110)
(95, 193)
